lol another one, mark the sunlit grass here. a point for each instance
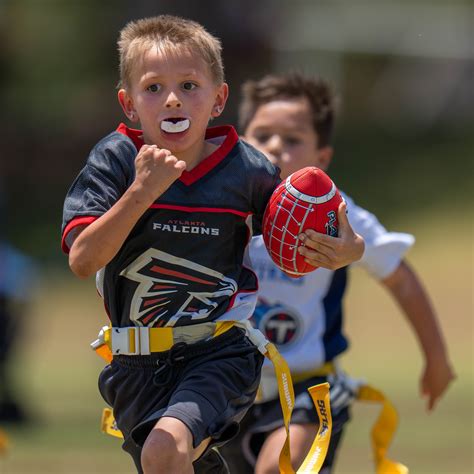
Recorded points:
(59, 371)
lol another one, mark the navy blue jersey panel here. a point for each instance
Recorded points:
(182, 262)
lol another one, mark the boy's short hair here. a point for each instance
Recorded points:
(291, 86)
(170, 32)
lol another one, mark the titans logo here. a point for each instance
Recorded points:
(280, 325)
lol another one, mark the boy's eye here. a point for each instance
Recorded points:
(189, 86)
(262, 138)
(292, 141)
(153, 88)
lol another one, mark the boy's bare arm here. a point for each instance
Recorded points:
(96, 245)
(407, 289)
(333, 252)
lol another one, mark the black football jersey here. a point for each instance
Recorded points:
(185, 260)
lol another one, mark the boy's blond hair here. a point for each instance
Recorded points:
(170, 33)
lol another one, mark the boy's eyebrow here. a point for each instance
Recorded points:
(160, 75)
(288, 127)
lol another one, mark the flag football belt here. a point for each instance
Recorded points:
(143, 341)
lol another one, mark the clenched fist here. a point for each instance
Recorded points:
(156, 170)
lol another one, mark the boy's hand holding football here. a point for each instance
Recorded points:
(322, 250)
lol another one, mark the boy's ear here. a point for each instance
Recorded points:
(221, 99)
(324, 157)
(126, 103)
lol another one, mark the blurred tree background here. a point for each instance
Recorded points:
(404, 74)
(403, 149)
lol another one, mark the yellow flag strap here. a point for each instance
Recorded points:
(4, 443)
(320, 395)
(382, 431)
(317, 453)
(108, 424)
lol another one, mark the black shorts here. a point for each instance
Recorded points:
(263, 418)
(208, 385)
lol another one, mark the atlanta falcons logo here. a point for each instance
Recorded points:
(174, 290)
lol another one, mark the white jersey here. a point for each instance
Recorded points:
(304, 316)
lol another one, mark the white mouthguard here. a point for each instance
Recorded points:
(171, 127)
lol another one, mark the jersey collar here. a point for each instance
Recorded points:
(206, 165)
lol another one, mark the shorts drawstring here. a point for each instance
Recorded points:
(174, 357)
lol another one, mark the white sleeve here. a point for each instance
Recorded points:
(384, 250)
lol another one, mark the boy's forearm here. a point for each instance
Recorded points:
(409, 293)
(100, 241)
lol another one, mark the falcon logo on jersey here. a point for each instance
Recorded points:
(280, 325)
(172, 290)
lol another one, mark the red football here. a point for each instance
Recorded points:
(307, 199)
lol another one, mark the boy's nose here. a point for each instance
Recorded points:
(173, 100)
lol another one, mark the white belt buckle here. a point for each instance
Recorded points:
(255, 335)
(144, 336)
(100, 341)
(120, 341)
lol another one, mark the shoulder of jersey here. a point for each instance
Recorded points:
(255, 157)
(115, 146)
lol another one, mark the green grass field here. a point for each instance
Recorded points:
(58, 371)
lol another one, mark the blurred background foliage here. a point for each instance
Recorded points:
(403, 72)
(403, 149)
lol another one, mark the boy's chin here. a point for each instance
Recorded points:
(173, 136)
(174, 142)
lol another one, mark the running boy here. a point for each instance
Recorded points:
(290, 118)
(161, 215)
